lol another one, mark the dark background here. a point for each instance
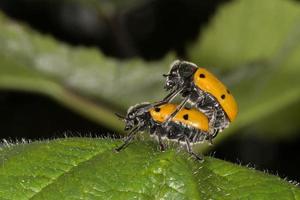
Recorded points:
(149, 29)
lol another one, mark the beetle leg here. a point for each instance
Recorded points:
(213, 117)
(178, 108)
(190, 151)
(161, 144)
(129, 138)
(215, 134)
(212, 121)
(168, 98)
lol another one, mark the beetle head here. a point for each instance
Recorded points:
(136, 115)
(179, 74)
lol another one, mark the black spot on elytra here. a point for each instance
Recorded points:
(227, 91)
(223, 96)
(186, 116)
(202, 75)
(157, 109)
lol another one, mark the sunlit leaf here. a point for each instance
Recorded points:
(82, 168)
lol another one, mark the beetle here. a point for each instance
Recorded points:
(203, 90)
(188, 126)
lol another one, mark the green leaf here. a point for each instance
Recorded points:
(287, 120)
(85, 168)
(244, 31)
(75, 75)
(257, 43)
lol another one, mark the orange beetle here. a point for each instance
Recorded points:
(207, 82)
(187, 117)
(203, 90)
(188, 126)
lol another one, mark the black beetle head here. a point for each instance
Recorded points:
(136, 115)
(179, 74)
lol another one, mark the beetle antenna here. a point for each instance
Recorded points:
(120, 116)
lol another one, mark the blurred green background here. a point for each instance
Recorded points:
(67, 66)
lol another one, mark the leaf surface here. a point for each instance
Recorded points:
(83, 168)
(75, 75)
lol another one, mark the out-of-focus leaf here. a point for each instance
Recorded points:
(245, 31)
(258, 42)
(30, 61)
(83, 168)
(284, 121)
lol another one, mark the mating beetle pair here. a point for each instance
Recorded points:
(214, 108)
